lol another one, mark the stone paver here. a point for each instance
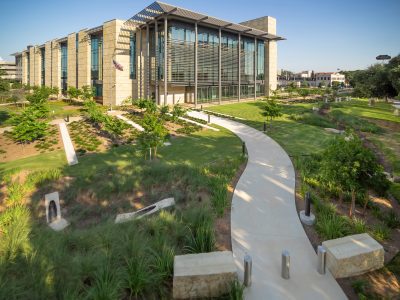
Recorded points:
(264, 222)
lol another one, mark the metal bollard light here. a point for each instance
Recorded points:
(247, 270)
(285, 264)
(67, 118)
(201, 107)
(244, 148)
(265, 126)
(321, 259)
(307, 204)
(209, 119)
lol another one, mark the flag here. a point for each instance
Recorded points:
(117, 65)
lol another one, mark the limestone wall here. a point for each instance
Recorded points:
(38, 65)
(56, 65)
(24, 68)
(71, 66)
(83, 59)
(32, 66)
(48, 59)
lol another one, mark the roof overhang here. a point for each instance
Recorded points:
(158, 10)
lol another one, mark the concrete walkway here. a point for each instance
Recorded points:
(264, 222)
(72, 159)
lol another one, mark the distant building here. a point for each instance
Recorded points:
(13, 72)
(328, 78)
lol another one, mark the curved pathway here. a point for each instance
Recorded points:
(264, 222)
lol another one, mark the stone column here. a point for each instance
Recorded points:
(271, 59)
(32, 66)
(83, 59)
(37, 70)
(71, 65)
(24, 68)
(117, 85)
(255, 68)
(48, 60)
(56, 65)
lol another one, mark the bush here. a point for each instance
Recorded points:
(381, 232)
(332, 226)
(73, 92)
(16, 85)
(201, 236)
(39, 96)
(28, 126)
(354, 122)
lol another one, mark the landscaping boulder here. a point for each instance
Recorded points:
(203, 275)
(353, 255)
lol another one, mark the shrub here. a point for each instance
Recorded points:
(359, 226)
(201, 236)
(73, 92)
(87, 93)
(381, 232)
(392, 220)
(16, 85)
(39, 96)
(332, 226)
(236, 291)
(177, 112)
(28, 127)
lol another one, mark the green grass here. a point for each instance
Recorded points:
(295, 137)
(102, 260)
(360, 108)
(44, 161)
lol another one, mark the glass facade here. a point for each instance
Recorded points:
(132, 56)
(64, 66)
(260, 60)
(42, 66)
(181, 42)
(181, 61)
(97, 64)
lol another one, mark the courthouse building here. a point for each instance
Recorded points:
(166, 53)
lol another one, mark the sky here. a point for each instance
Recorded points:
(321, 35)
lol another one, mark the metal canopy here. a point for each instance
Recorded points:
(158, 9)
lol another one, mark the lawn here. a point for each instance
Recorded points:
(380, 110)
(95, 258)
(295, 137)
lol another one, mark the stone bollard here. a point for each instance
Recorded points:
(321, 259)
(247, 270)
(285, 264)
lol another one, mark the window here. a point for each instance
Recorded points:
(64, 66)
(260, 60)
(97, 64)
(43, 66)
(132, 55)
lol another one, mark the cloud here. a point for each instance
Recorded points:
(1, 58)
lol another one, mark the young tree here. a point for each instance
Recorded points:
(29, 125)
(177, 112)
(304, 93)
(73, 92)
(271, 110)
(87, 93)
(154, 133)
(352, 168)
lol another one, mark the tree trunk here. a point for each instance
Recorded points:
(365, 203)
(155, 152)
(340, 198)
(353, 204)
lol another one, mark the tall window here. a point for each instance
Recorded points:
(97, 64)
(42, 66)
(132, 55)
(181, 42)
(28, 71)
(247, 60)
(260, 60)
(64, 66)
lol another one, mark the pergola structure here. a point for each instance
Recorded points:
(159, 11)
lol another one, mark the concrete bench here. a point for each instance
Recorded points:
(353, 255)
(203, 275)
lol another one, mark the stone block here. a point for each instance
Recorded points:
(203, 275)
(353, 255)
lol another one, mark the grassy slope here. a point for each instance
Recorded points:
(296, 138)
(360, 108)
